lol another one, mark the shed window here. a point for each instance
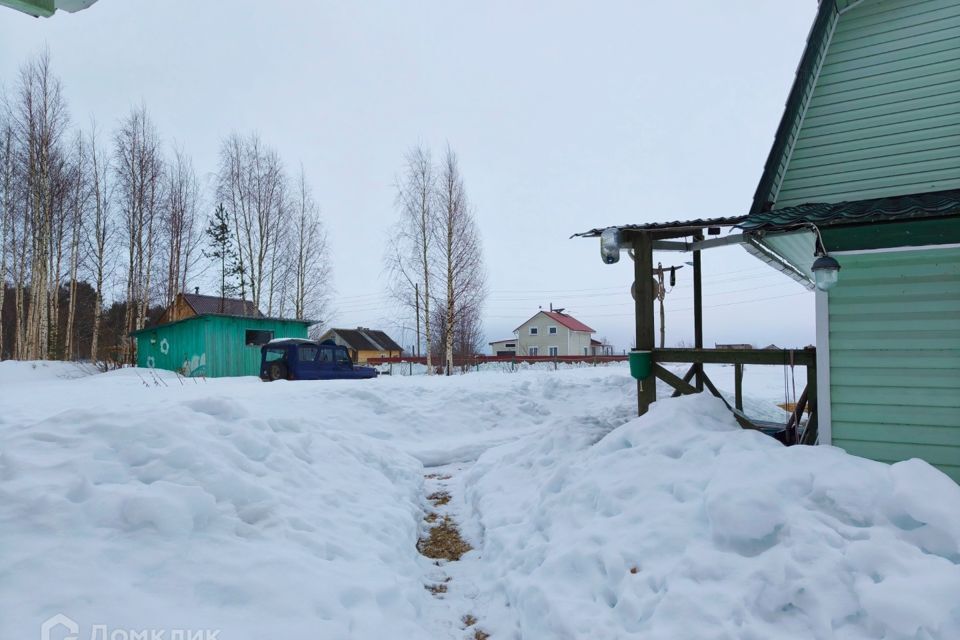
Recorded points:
(257, 337)
(511, 345)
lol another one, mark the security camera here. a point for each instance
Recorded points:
(610, 245)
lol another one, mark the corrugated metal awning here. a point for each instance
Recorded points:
(676, 226)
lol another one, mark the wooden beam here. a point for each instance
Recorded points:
(810, 433)
(687, 377)
(738, 385)
(682, 386)
(643, 310)
(698, 311)
(794, 420)
(801, 357)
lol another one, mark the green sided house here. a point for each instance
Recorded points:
(865, 168)
(864, 175)
(212, 337)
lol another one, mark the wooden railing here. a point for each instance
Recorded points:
(738, 358)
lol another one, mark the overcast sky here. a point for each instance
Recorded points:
(566, 116)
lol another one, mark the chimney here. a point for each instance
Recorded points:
(196, 290)
(551, 307)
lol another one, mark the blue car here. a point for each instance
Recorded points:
(296, 359)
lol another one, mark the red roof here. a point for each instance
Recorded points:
(568, 321)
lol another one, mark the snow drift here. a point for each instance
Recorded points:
(682, 525)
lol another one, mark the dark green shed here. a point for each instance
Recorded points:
(212, 345)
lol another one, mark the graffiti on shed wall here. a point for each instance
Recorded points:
(195, 366)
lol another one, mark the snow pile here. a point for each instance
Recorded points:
(682, 525)
(200, 515)
(13, 372)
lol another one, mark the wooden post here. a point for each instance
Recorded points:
(738, 386)
(643, 310)
(810, 434)
(698, 312)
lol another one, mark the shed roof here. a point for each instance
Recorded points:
(921, 205)
(202, 304)
(363, 339)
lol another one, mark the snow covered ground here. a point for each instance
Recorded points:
(140, 501)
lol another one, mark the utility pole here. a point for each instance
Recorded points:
(416, 295)
(662, 293)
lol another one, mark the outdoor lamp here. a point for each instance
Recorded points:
(610, 245)
(826, 272)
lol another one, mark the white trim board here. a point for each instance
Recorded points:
(824, 415)
(925, 247)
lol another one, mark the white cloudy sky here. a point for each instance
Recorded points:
(566, 116)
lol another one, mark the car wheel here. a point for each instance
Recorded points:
(277, 371)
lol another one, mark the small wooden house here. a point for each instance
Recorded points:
(364, 343)
(864, 174)
(200, 341)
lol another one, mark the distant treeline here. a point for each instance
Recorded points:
(99, 232)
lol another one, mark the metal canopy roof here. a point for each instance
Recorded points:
(677, 226)
(922, 205)
(46, 8)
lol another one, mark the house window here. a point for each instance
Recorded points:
(585, 349)
(552, 331)
(553, 351)
(532, 351)
(534, 331)
(257, 337)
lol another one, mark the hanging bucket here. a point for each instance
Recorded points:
(641, 364)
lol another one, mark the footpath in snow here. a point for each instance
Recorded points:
(140, 501)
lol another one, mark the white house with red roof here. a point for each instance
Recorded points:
(549, 333)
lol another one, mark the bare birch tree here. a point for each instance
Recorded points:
(98, 239)
(39, 119)
(6, 215)
(80, 193)
(181, 232)
(410, 259)
(460, 257)
(138, 172)
(309, 262)
(251, 184)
